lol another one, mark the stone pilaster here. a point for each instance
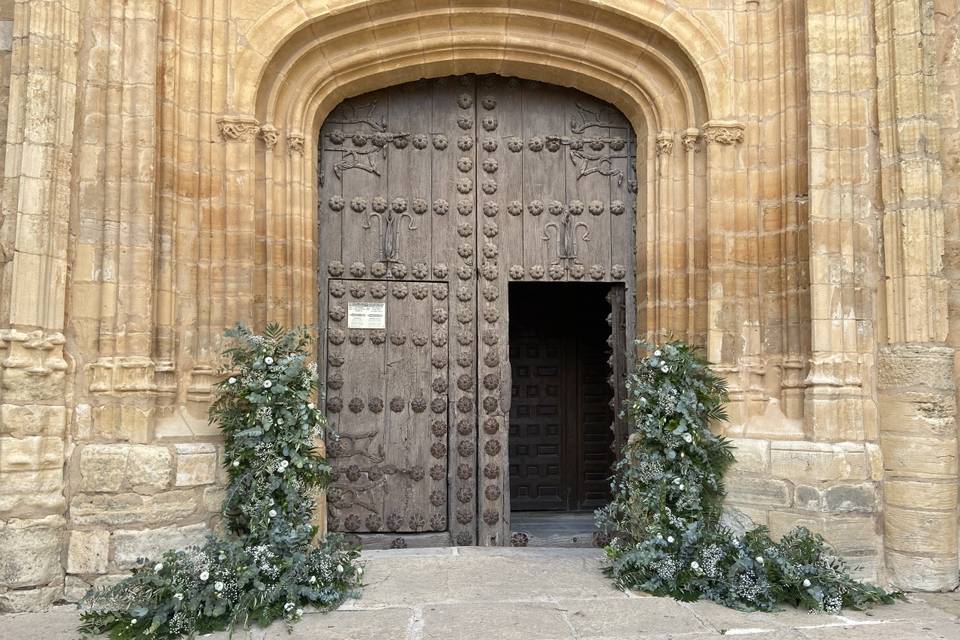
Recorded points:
(843, 235)
(34, 227)
(916, 376)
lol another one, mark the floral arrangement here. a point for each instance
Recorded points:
(265, 567)
(664, 519)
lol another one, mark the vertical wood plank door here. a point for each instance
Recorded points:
(433, 197)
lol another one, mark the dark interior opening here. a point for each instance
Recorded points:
(560, 416)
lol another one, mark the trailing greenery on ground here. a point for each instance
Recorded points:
(664, 519)
(264, 568)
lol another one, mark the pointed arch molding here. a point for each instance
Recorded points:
(663, 69)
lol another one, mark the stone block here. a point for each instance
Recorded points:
(808, 498)
(213, 499)
(75, 588)
(923, 414)
(753, 456)
(116, 467)
(920, 573)
(131, 509)
(920, 494)
(905, 366)
(860, 497)
(929, 532)
(31, 551)
(818, 461)
(30, 453)
(88, 551)
(131, 546)
(21, 421)
(196, 464)
(856, 535)
(751, 490)
(36, 599)
(21, 386)
(917, 456)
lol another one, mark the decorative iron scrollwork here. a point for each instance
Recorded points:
(389, 224)
(568, 235)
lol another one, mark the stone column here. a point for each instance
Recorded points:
(727, 316)
(839, 403)
(917, 394)
(34, 231)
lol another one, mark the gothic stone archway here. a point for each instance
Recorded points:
(433, 197)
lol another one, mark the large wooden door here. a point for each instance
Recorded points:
(452, 187)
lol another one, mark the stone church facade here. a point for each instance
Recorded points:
(776, 181)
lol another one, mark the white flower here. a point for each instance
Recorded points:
(232, 380)
(658, 353)
(665, 368)
(759, 559)
(158, 567)
(694, 565)
(806, 582)
(299, 612)
(339, 568)
(218, 586)
(670, 539)
(687, 437)
(681, 487)
(311, 406)
(267, 384)
(273, 513)
(204, 575)
(178, 596)
(268, 360)
(643, 401)
(313, 579)
(683, 455)
(288, 607)
(284, 463)
(236, 463)
(359, 571)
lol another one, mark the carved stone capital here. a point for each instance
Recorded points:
(664, 143)
(238, 128)
(723, 132)
(689, 139)
(295, 142)
(269, 135)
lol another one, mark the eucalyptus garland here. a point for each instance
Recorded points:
(265, 567)
(664, 519)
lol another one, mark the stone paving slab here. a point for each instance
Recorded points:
(542, 594)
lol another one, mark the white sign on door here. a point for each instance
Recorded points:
(366, 315)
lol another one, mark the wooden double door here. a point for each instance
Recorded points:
(434, 198)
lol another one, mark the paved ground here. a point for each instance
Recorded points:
(543, 594)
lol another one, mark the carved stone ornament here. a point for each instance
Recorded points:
(664, 143)
(238, 128)
(295, 142)
(689, 139)
(723, 132)
(491, 471)
(465, 517)
(437, 472)
(491, 517)
(464, 494)
(269, 135)
(465, 143)
(464, 427)
(335, 268)
(491, 425)
(516, 271)
(464, 471)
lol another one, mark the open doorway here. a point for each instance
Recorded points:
(561, 416)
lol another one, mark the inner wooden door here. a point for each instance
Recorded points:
(560, 415)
